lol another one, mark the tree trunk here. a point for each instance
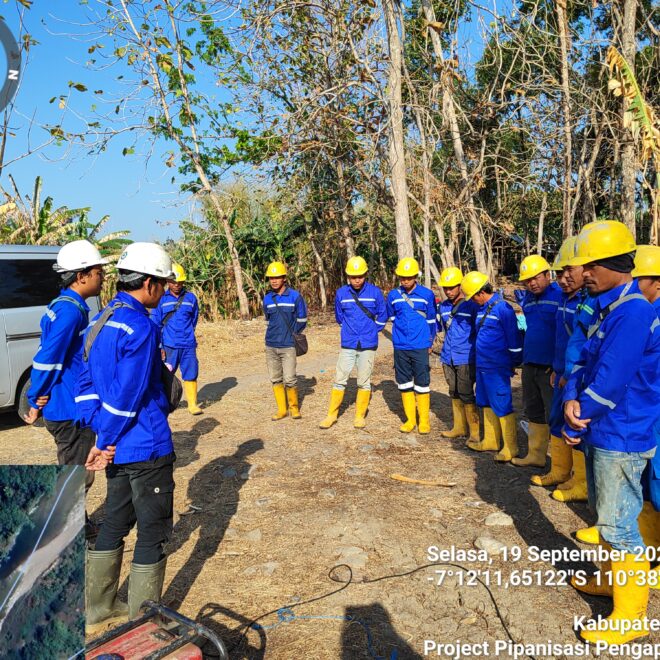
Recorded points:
(396, 153)
(539, 237)
(449, 112)
(564, 42)
(628, 161)
(345, 210)
(320, 268)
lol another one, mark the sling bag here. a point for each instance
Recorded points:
(360, 305)
(624, 297)
(412, 304)
(454, 311)
(299, 339)
(172, 312)
(172, 385)
(486, 312)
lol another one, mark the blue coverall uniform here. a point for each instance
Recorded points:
(178, 333)
(616, 381)
(499, 351)
(414, 326)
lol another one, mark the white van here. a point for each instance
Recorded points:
(28, 283)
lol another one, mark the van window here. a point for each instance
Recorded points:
(27, 282)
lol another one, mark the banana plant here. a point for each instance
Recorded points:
(640, 118)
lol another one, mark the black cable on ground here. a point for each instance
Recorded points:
(334, 578)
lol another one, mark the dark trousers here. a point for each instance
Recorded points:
(537, 393)
(460, 380)
(73, 445)
(144, 493)
(412, 370)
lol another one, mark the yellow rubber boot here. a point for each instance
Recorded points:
(649, 528)
(588, 535)
(280, 399)
(562, 462)
(631, 598)
(601, 586)
(509, 439)
(190, 388)
(410, 410)
(361, 407)
(472, 415)
(492, 433)
(336, 397)
(423, 410)
(292, 398)
(575, 489)
(460, 427)
(539, 436)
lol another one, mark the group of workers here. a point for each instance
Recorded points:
(589, 352)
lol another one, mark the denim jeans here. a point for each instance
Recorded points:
(362, 360)
(614, 481)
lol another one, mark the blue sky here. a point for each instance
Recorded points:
(138, 197)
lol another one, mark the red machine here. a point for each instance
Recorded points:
(159, 634)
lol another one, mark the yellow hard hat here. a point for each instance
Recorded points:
(601, 240)
(531, 266)
(450, 277)
(179, 273)
(276, 269)
(407, 267)
(356, 266)
(647, 261)
(565, 253)
(472, 283)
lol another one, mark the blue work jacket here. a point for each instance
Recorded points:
(358, 331)
(564, 328)
(499, 341)
(285, 318)
(460, 331)
(412, 329)
(120, 393)
(540, 313)
(56, 365)
(617, 377)
(179, 331)
(582, 319)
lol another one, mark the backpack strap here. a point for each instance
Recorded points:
(94, 329)
(70, 300)
(602, 315)
(453, 312)
(488, 310)
(404, 295)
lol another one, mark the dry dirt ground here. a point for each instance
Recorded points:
(279, 504)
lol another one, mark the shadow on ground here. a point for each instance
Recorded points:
(368, 633)
(213, 392)
(215, 489)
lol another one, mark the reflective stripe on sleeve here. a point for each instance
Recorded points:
(40, 366)
(120, 326)
(121, 413)
(599, 399)
(86, 397)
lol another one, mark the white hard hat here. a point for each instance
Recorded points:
(148, 259)
(78, 255)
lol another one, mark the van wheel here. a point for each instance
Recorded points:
(22, 405)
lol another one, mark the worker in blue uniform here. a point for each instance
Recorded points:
(56, 366)
(411, 308)
(539, 305)
(177, 315)
(498, 353)
(456, 318)
(360, 312)
(286, 314)
(611, 404)
(121, 397)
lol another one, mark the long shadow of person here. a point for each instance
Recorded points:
(305, 386)
(215, 490)
(185, 442)
(368, 633)
(213, 392)
(391, 396)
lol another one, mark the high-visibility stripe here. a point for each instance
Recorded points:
(352, 300)
(422, 390)
(655, 324)
(302, 320)
(464, 314)
(51, 314)
(282, 305)
(381, 322)
(406, 386)
(40, 366)
(492, 316)
(86, 397)
(121, 413)
(576, 367)
(599, 399)
(120, 326)
(515, 350)
(431, 321)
